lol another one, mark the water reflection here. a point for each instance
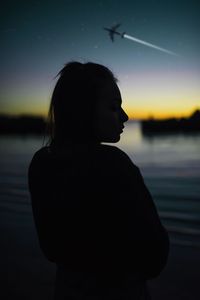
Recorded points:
(161, 149)
(170, 165)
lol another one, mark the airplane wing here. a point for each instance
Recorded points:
(111, 36)
(112, 31)
(115, 26)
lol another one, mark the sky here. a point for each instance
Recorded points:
(39, 37)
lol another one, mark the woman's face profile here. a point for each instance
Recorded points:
(109, 116)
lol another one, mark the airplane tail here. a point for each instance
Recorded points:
(122, 35)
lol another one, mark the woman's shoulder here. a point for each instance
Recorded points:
(117, 157)
(114, 152)
(41, 153)
(107, 149)
(40, 157)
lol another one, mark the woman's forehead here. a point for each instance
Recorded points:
(111, 90)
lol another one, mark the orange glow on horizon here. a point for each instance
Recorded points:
(139, 114)
(133, 113)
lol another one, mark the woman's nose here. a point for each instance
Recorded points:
(124, 116)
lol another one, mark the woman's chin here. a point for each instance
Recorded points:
(112, 139)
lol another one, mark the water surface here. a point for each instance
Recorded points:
(170, 165)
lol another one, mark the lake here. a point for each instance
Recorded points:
(170, 165)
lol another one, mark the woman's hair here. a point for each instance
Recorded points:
(71, 110)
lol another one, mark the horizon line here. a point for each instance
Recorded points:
(149, 117)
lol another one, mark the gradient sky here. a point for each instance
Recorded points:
(39, 37)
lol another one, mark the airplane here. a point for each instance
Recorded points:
(112, 31)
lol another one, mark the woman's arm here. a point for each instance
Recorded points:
(151, 238)
(137, 234)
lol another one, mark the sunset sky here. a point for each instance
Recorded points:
(39, 37)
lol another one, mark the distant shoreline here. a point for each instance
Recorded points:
(23, 124)
(172, 125)
(28, 124)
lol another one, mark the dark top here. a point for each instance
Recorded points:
(93, 212)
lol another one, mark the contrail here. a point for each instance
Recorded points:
(148, 44)
(112, 31)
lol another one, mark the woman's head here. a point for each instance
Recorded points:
(86, 105)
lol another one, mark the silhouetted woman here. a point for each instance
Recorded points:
(94, 216)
